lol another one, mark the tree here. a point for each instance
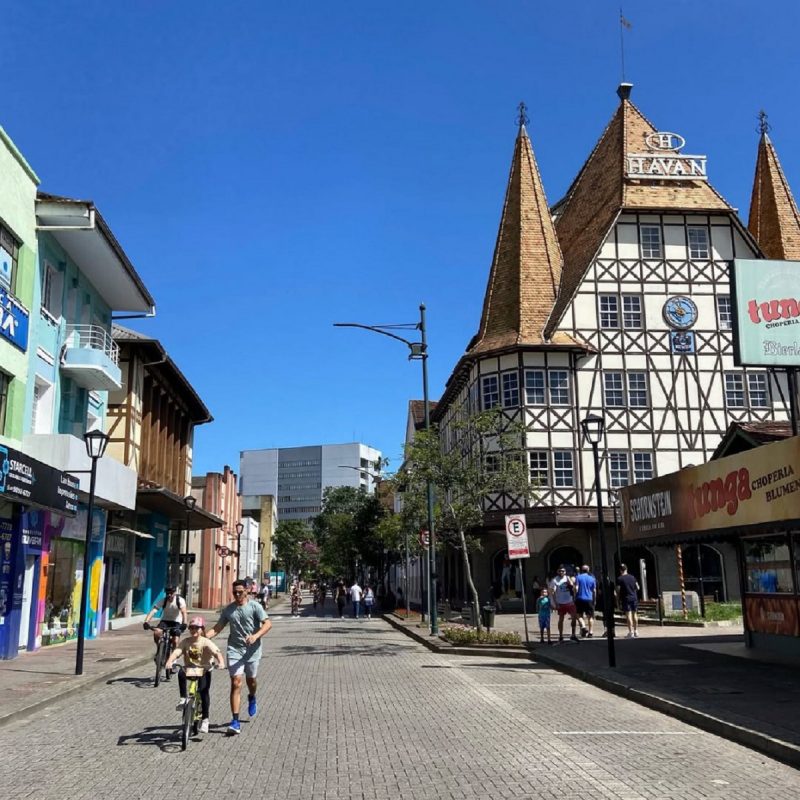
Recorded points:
(484, 457)
(291, 538)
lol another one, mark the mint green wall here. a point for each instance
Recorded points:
(18, 184)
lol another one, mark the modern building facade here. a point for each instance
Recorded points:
(615, 302)
(298, 476)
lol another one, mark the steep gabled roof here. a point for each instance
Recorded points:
(601, 191)
(774, 220)
(526, 267)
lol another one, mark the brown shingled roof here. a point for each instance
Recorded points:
(601, 191)
(527, 262)
(774, 220)
(417, 409)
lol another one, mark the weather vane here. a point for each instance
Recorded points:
(522, 116)
(763, 125)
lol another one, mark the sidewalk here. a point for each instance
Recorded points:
(705, 677)
(35, 680)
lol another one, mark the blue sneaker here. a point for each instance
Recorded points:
(234, 729)
(252, 706)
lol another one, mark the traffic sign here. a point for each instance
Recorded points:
(424, 539)
(517, 536)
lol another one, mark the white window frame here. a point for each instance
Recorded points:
(539, 473)
(640, 472)
(487, 393)
(510, 388)
(648, 248)
(531, 389)
(731, 378)
(694, 250)
(636, 374)
(613, 376)
(724, 315)
(567, 388)
(608, 318)
(560, 472)
(758, 377)
(615, 479)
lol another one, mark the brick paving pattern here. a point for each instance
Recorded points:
(355, 709)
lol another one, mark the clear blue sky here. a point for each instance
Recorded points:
(271, 168)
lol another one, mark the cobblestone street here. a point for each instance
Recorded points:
(355, 709)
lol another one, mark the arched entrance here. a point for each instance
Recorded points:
(568, 556)
(506, 575)
(711, 567)
(633, 557)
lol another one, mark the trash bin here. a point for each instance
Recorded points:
(487, 616)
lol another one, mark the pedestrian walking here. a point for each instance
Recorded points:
(627, 590)
(544, 608)
(341, 597)
(356, 593)
(586, 600)
(248, 623)
(563, 593)
(369, 601)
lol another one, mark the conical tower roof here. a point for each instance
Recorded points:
(603, 189)
(774, 221)
(527, 262)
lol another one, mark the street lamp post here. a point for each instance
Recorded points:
(190, 502)
(239, 529)
(419, 352)
(96, 442)
(593, 427)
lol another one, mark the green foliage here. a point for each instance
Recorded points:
(716, 612)
(458, 634)
(294, 545)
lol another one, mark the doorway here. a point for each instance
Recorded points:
(568, 556)
(712, 572)
(27, 598)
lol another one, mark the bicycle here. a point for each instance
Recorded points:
(166, 644)
(192, 709)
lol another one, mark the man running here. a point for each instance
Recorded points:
(248, 623)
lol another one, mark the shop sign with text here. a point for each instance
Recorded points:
(767, 312)
(759, 486)
(25, 480)
(664, 161)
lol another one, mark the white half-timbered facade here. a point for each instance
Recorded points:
(616, 302)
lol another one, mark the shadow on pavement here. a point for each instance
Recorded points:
(340, 650)
(139, 683)
(163, 737)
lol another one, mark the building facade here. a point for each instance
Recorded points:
(615, 302)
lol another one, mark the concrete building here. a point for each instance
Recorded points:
(614, 302)
(298, 476)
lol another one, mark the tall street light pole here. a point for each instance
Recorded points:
(96, 442)
(190, 502)
(593, 427)
(239, 529)
(419, 352)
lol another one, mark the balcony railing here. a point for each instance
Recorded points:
(92, 337)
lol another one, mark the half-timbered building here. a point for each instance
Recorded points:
(614, 302)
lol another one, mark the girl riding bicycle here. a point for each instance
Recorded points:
(199, 655)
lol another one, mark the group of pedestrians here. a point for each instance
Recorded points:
(362, 599)
(575, 596)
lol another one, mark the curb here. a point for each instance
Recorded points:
(71, 689)
(761, 742)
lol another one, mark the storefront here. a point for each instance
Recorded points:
(29, 492)
(751, 498)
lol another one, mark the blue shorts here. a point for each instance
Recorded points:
(544, 622)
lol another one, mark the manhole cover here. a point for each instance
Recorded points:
(101, 660)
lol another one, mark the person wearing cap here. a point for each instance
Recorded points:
(198, 653)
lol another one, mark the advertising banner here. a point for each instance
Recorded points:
(25, 480)
(758, 486)
(766, 321)
(775, 615)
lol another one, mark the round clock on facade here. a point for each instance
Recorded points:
(680, 312)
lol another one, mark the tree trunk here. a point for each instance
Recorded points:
(476, 604)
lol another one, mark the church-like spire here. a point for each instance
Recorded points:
(526, 267)
(774, 220)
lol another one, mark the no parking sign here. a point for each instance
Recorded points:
(517, 536)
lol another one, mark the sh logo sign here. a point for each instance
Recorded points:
(5, 467)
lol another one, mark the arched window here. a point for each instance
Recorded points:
(711, 570)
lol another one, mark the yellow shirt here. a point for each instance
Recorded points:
(199, 652)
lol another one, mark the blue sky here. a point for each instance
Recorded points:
(271, 168)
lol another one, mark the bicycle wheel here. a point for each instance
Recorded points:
(160, 650)
(188, 717)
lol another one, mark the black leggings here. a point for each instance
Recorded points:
(203, 689)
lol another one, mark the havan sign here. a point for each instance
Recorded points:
(665, 161)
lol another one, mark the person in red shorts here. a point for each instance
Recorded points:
(563, 591)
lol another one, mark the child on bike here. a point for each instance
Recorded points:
(199, 654)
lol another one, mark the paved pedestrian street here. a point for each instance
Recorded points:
(354, 709)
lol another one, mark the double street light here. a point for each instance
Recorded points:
(418, 352)
(593, 428)
(96, 442)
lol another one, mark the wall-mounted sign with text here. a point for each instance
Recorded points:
(664, 161)
(25, 480)
(766, 325)
(13, 320)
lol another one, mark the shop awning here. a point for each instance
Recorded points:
(171, 505)
(133, 531)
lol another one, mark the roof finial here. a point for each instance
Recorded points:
(522, 116)
(763, 125)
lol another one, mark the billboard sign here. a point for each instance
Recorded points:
(766, 320)
(751, 488)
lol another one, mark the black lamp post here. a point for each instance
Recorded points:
(593, 428)
(190, 502)
(419, 352)
(261, 544)
(239, 529)
(96, 442)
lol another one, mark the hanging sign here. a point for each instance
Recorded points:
(13, 320)
(517, 536)
(665, 161)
